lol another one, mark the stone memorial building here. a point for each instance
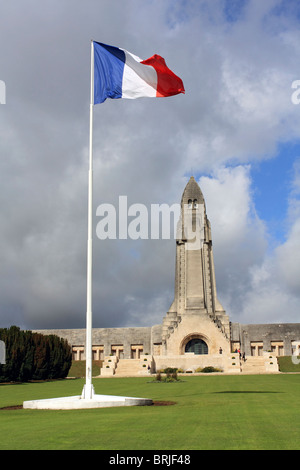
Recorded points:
(196, 331)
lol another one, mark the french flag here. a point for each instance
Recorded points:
(121, 74)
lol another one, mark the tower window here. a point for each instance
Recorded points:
(196, 346)
(195, 203)
(190, 204)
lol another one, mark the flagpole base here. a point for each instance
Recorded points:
(77, 403)
(88, 392)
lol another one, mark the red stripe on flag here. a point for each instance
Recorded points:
(168, 83)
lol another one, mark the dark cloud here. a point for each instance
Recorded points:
(237, 67)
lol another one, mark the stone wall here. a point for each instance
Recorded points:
(266, 334)
(111, 339)
(148, 340)
(228, 363)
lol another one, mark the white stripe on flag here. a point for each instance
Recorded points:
(139, 80)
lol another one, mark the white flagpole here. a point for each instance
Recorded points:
(88, 389)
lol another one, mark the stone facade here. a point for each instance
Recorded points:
(196, 331)
(283, 339)
(125, 343)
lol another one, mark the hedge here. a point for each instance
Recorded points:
(33, 356)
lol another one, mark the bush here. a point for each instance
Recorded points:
(33, 356)
(209, 369)
(173, 376)
(158, 377)
(169, 377)
(170, 370)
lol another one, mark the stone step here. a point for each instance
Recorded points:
(128, 367)
(254, 365)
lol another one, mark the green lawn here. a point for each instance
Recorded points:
(78, 368)
(211, 412)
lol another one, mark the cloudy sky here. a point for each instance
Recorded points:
(237, 130)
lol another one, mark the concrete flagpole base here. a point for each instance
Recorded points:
(78, 403)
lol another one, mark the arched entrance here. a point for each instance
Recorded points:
(196, 346)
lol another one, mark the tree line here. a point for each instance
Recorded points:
(33, 356)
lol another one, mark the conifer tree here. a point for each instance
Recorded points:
(33, 356)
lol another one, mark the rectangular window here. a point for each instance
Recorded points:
(78, 353)
(136, 351)
(256, 348)
(277, 348)
(98, 353)
(117, 350)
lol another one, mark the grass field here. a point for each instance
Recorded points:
(211, 412)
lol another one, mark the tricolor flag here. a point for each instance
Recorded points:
(116, 73)
(121, 74)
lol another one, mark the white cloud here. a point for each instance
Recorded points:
(239, 236)
(288, 261)
(254, 284)
(269, 288)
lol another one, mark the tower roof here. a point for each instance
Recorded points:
(191, 192)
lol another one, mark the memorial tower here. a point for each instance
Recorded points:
(196, 321)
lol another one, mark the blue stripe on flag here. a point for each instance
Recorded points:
(109, 64)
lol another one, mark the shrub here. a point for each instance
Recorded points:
(158, 377)
(33, 356)
(170, 370)
(173, 375)
(209, 369)
(167, 379)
